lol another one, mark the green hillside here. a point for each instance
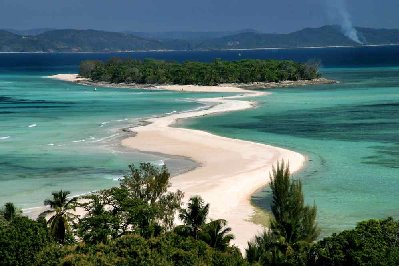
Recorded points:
(69, 40)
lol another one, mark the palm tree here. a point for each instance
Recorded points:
(60, 209)
(9, 211)
(195, 215)
(217, 235)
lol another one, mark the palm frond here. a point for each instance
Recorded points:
(46, 213)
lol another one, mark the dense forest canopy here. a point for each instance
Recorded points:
(148, 71)
(134, 224)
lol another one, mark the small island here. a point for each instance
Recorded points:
(248, 73)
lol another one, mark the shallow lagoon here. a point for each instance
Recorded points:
(350, 133)
(56, 135)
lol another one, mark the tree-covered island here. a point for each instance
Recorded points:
(117, 70)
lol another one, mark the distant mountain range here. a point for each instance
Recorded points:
(309, 37)
(187, 35)
(68, 40)
(29, 32)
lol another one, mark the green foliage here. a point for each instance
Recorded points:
(291, 218)
(194, 217)
(272, 249)
(9, 211)
(141, 204)
(20, 240)
(150, 184)
(133, 225)
(86, 67)
(216, 234)
(61, 215)
(373, 242)
(162, 72)
(293, 226)
(98, 225)
(168, 249)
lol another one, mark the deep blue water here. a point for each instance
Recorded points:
(328, 57)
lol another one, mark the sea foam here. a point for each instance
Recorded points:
(81, 140)
(104, 123)
(159, 162)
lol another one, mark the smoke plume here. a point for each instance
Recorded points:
(339, 14)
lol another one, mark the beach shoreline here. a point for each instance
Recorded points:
(204, 50)
(229, 171)
(227, 87)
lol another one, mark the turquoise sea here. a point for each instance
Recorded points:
(57, 135)
(350, 133)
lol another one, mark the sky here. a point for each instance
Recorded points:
(196, 15)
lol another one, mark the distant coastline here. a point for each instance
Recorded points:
(76, 40)
(206, 50)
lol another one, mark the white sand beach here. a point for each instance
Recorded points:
(68, 77)
(227, 87)
(195, 88)
(230, 170)
(188, 88)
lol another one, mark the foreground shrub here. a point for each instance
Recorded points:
(20, 240)
(170, 249)
(293, 226)
(373, 242)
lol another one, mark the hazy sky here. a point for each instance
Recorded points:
(195, 15)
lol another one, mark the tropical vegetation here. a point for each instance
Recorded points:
(373, 242)
(135, 224)
(293, 226)
(117, 70)
(60, 213)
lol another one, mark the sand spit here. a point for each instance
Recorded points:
(230, 170)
